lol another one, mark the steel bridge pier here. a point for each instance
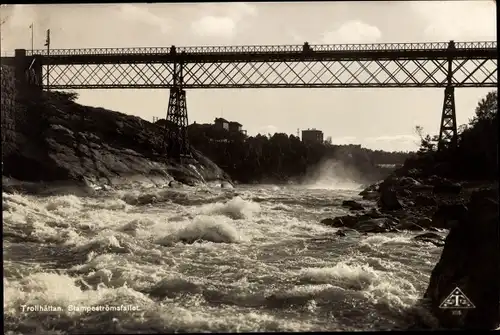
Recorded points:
(176, 125)
(448, 127)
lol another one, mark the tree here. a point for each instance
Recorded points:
(487, 109)
(477, 154)
(63, 95)
(478, 142)
(428, 143)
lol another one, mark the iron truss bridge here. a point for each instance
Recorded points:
(441, 64)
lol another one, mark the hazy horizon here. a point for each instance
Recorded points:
(380, 118)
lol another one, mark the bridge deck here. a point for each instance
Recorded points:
(474, 64)
(252, 49)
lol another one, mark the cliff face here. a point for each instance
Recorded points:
(470, 262)
(56, 140)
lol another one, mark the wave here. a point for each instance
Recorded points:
(203, 259)
(204, 228)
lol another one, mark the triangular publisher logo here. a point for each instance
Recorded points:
(457, 300)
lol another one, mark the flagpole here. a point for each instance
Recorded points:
(47, 44)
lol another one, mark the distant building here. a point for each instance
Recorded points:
(312, 136)
(195, 125)
(221, 123)
(230, 126)
(235, 126)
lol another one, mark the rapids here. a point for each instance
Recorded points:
(197, 259)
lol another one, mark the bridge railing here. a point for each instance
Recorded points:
(266, 48)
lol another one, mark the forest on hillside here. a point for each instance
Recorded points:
(281, 157)
(476, 155)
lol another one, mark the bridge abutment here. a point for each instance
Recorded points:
(20, 66)
(18, 80)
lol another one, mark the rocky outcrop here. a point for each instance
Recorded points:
(422, 200)
(446, 216)
(388, 200)
(370, 222)
(430, 237)
(470, 261)
(445, 186)
(58, 140)
(416, 201)
(352, 205)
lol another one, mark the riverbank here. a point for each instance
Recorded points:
(460, 216)
(60, 145)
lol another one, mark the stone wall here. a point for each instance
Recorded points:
(13, 111)
(8, 106)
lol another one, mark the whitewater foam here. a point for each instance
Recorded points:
(203, 259)
(332, 174)
(236, 208)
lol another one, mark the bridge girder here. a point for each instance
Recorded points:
(321, 74)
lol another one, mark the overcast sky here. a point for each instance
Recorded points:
(376, 118)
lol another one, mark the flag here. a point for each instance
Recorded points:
(47, 41)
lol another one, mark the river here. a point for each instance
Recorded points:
(261, 262)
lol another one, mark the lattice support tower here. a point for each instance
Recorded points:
(448, 127)
(177, 117)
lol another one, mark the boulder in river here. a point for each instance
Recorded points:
(409, 225)
(174, 184)
(374, 213)
(408, 182)
(431, 237)
(371, 188)
(470, 261)
(381, 225)
(370, 195)
(389, 200)
(346, 232)
(226, 185)
(372, 221)
(340, 221)
(352, 205)
(423, 200)
(445, 186)
(399, 183)
(424, 222)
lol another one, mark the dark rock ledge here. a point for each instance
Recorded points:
(54, 143)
